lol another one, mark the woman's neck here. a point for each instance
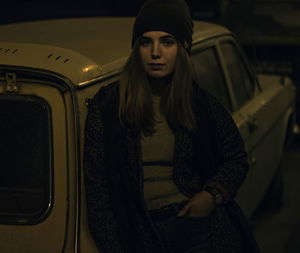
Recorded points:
(158, 85)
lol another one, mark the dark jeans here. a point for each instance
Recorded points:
(185, 234)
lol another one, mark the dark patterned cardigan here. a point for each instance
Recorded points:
(214, 154)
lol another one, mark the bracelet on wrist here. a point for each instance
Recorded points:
(217, 196)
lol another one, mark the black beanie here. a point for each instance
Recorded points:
(171, 16)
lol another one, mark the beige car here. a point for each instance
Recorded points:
(48, 70)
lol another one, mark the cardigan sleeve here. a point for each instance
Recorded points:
(233, 168)
(101, 220)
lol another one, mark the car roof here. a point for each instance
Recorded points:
(80, 49)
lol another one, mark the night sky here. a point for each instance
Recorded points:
(19, 10)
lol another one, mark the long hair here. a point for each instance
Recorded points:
(135, 100)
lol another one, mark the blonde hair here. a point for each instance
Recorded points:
(135, 100)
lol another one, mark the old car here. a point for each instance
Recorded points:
(48, 70)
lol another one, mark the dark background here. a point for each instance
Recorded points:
(20, 10)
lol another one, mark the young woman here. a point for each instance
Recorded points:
(163, 159)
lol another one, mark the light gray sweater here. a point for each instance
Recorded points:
(158, 150)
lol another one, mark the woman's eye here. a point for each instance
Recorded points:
(144, 42)
(168, 42)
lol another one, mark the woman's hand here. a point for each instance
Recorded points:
(201, 204)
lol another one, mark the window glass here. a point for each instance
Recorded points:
(25, 158)
(242, 84)
(209, 75)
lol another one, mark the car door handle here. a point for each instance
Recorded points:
(252, 123)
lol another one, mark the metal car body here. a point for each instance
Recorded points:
(48, 69)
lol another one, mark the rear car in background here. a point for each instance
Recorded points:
(48, 70)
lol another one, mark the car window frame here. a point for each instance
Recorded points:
(32, 219)
(213, 42)
(250, 72)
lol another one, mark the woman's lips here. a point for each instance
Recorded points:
(156, 66)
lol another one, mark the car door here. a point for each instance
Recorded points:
(261, 110)
(210, 76)
(35, 209)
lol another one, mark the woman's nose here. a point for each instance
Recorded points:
(155, 52)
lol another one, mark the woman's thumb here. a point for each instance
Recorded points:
(184, 210)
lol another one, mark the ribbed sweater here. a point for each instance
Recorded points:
(157, 155)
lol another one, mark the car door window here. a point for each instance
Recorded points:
(241, 81)
(209, 75)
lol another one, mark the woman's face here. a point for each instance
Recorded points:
(158, 51)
